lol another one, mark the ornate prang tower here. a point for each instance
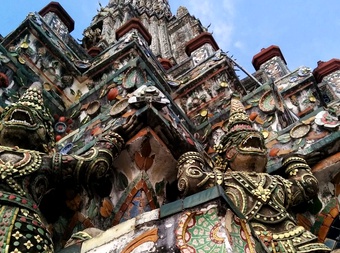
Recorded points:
(143, 87)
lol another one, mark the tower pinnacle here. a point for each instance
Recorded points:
(151, 6)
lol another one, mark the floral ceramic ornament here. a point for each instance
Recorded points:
(148, 94)
(4, 81)
(324, 118)
(304, 71)
(3, 58)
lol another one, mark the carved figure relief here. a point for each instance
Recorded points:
(263, 198)
(30, 168)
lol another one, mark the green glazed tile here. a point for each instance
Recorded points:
(171, 208)
(331, 204)
(201, 197)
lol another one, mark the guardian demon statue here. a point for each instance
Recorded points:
(29, 167)
(261, 197)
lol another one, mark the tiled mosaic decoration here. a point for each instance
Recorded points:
(201, 232)
(204, 231)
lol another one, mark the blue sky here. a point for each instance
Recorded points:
(306, 31)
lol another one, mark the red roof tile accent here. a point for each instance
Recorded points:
(56, 8)
(134, 23)
(166, 63)
(199, 41)
(266, 54)
(325, 68)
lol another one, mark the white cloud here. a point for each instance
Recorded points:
(219, 16)
(239, 44)
(229, 6)
(203, 9)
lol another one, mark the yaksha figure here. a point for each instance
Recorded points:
(29, 166)
(261, 197)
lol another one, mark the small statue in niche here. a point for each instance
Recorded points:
(30, 168)
(91, 37)
(262, 198)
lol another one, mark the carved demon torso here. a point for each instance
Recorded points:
(262, 198)
(23, 183)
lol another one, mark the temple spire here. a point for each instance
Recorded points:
(152, 6)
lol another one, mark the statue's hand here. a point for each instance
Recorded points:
(304, 184)
(294, 164)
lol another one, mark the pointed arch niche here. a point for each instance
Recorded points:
(139, 197)
(147, 175)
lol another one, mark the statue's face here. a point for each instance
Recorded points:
(246, 151)
(23, 126)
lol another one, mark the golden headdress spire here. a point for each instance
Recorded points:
(238, 118)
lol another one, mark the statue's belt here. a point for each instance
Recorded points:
(17, 200)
